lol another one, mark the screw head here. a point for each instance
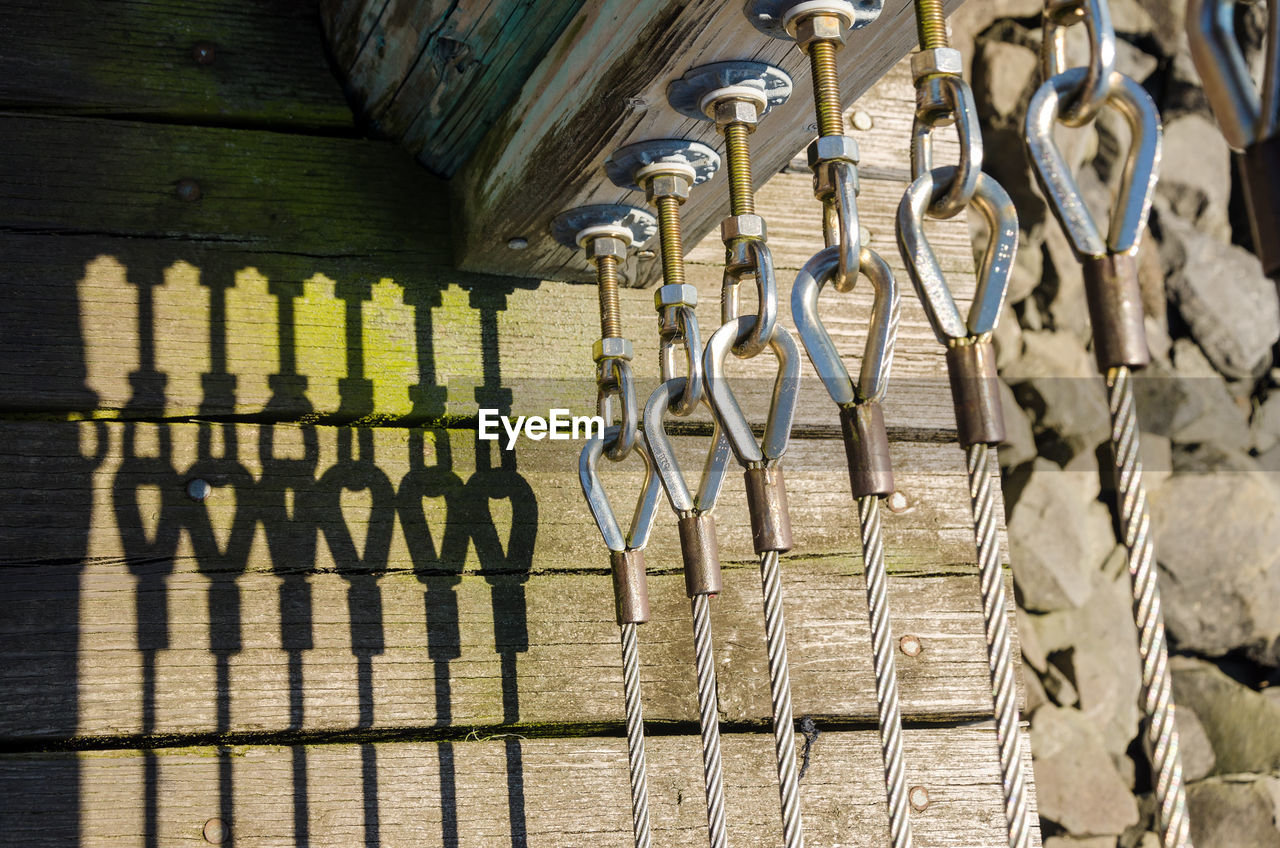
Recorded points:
(919, 797)
(188, 191)
(910, 645)
(897, 503)
(215, 831)
(199, 490)
(203, 52)
(517, 243)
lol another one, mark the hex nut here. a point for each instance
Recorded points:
(612, 349)
(736, 111)
(819, 27)
(829, 148)
(825, 180)
(602, 246)
(939, 60)
(667, 185)
(672, 295)
(743, 227)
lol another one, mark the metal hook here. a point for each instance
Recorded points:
(964, 111)
(786, 388)
(1092, 93)
(1137, 184)
(877, 356)
(1241, 112)
(621, 384)
(664, 399)
(766, 292)
(598, 500)
(922, 264)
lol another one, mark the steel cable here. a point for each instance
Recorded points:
(1157, 698)
(784, 732)
(886, 672)
(635, 736)
(995, 615)
(709, 718)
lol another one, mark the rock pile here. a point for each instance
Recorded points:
(1210, 412)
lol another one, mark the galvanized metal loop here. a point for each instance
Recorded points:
(598, 500)
(615, 380)
(759, 265)
(877, 356)
(963, 110)
(1137, 184)
(840, 223)
(684, 335)
(663, 400)
(1059, 15)
(786, 388)
(993, 202)
(1244, 115)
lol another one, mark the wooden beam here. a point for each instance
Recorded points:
(260, 64)
(495, 791)
(604, 85)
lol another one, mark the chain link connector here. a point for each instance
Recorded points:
(1115, 311)
(678, 331)
(866, 446)
(1245, 116)
(614, 380)
(957, 105)
(1137, 185)
(975, 389)
(834, 161)
(756, 261)
(992, 201)
(1086, 100)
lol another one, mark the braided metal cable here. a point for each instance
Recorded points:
(709, 718)
(635, 736)
(895, 776)
(995, 615)
(1157, 697)
(784, 731)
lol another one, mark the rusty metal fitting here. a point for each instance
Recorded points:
(675, 295)
(602, 246)
(826, 182)
(666, 179)
(737, 227)
(933, 102)
(975, 388)
(701, 554)
(831, 148)
(939, 60)
(738, 109)
(739, 257)
(1115, 310)
(1259, 169)
(866, 444)
(612, 348)
(767, 503)
(630, 592)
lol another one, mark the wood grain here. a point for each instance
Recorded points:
(134, 58)
(559, 793)
(604, 85)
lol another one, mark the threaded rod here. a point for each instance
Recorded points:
(742, 198)
(931, 24)
(826, 87)
(672, 245)
(610, 308)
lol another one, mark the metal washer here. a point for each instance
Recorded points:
(641, 224)
(767, 15)
(687, 93)
(622, 165)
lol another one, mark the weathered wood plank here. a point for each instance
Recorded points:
(412, 500)
(604, 85)
(532, 792)
(437, 75)
(135, 58)
(324, 653)
(170, 328)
